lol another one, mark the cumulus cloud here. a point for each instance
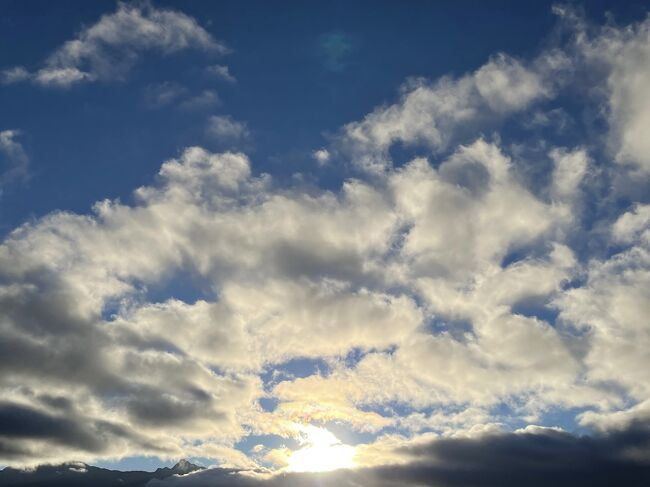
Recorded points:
(611, 308)
(627, 54)
(296, 274)
(108, 49)
(434, 114)
(14, 162)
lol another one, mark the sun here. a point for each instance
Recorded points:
(322, 451)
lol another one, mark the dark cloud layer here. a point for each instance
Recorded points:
(537, 459)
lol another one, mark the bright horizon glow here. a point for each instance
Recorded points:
(322, 451)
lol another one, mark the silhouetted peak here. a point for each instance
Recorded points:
(183, 466)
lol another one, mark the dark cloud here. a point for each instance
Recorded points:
(538, 459)
(44, 334)
(157, 407)
(300, 261)
(17, 421)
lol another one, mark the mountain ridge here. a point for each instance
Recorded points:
(79, 473)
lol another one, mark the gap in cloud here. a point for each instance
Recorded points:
(354, 356)
(183, 285)
(401, 154)
(536, 307)
(268, 404)
(250, 443)
(564, 418)
(523, 253)
(509, 413)
(460, 330)
(294, 368)
(145, 463)
(346, 434)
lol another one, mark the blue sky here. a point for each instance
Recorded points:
(226, 223)
(102, 140)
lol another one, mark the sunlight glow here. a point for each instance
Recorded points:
(322, 451)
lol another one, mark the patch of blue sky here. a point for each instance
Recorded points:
(346, 434)
(512, 415)
(460, 330)
(183, 285)
(248, 443)
(536, 307)
(294, 369)
(268, 404)
(564, 418)
(147, 464)
(524, 253)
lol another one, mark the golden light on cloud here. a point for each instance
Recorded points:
(321, 451)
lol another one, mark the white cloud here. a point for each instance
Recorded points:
(507, 86)
(204, 100)
(612, 306)
(627, 51)
(163, 94)
(14, 162)
(322, 156)
(633, 225)
(434, 114)
(291, 274)
(225, 129)
(14, 75)
(109, 48)
(569, 171)
(221, 72)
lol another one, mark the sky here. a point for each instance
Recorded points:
(389, 235)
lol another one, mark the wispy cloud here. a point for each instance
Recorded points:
(224, 128)
(163, 94)
(205, 100)
(108, 49)
(14, 159)
(221, 72)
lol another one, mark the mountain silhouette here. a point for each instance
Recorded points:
(80, 474)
